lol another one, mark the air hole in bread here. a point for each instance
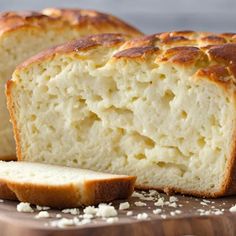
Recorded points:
(168, 96)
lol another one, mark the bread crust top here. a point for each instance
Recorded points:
(10, 21)
(212, 55)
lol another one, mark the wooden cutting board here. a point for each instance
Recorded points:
(188, 222)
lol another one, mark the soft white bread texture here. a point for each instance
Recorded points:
(161, 107)
(61, 187)
(23, 34)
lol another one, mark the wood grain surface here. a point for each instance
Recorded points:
(188, 222)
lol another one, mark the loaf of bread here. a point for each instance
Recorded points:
(23, 34)
(160, 107)
(61, 187)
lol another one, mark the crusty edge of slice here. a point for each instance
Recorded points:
(11, 109)
(8, 158)
(5, 192)
(92, 192)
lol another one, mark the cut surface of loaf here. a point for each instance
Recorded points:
(160, 107)
(23, 34)
(61, 187)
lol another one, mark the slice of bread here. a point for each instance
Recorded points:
(61, 187)
(23, 34)
(161, 107)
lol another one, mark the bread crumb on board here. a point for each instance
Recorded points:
(72, 211)
(24, 207)
(42, 208)
(233, 208)
(112, 220)
(129, 213)
(110, 214)
(142, 216)
(105, 211)
(42, 214)
(157, 211)
(124, 206)
(140, 204)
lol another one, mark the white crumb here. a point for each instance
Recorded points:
(106, 211)
(178, 212)
(85, 221)
(1, 201)
(147, 198)
(62, 223)
(142, 216)
(218, 212)
(24, 207)
(205, 213)
(124, 206)
(72, 211)
(173, 204)
(42, 214)
(207, 201)
(90, 210)
(200, 210)
(157, 211)
(160, 202)
(140, 204)
(76, 221)
(65, 222)
(87, 216)
(153, 193)
(163, 216)
(173, 199)
(203, 203)
(42, 208)
(136, 194)
(58, 215)
(112, 220)
(129, 213)
(232, 209)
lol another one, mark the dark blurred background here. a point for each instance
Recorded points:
(151, 15)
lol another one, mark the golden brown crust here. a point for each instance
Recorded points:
(214, 39)
(137, 52)
(182, 50)
(184, 55)
(91, 17)
(44, 195)
(9, 158)
(86, 43)
(225, 54)
(10, 21)
(229, 185)
(11, 109)
(217, 73)
(110, 189)
(5, 192)
(69, 196)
